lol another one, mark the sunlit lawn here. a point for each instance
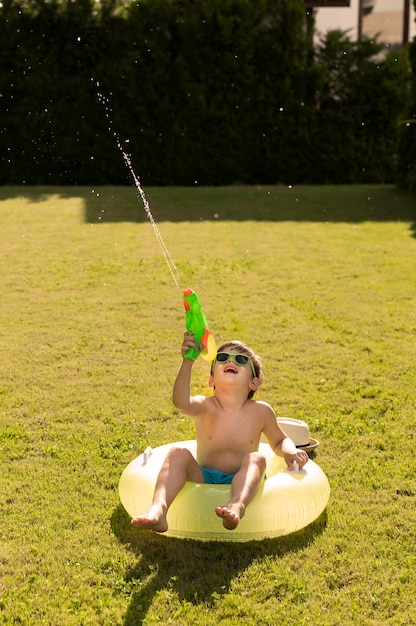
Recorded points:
(320, 282)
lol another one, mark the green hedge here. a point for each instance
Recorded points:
(200, 92)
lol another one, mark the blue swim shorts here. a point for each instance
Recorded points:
(214, 477)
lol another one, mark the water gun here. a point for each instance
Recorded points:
(197, 325)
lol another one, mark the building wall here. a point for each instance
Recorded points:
(386, 18)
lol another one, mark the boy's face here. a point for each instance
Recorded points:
(233, 367)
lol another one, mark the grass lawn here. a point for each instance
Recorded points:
(320, 281)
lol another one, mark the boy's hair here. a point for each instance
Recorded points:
(238, 347)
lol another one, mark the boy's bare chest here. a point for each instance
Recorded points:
(238, 426)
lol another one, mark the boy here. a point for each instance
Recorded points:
(228, 427)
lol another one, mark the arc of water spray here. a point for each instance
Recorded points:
(128, 161)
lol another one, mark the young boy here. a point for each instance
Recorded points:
(228, 427)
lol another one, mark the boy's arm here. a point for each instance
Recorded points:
(181, 394)
(281, 444)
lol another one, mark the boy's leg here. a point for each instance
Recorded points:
(243, 489)
(178, 467)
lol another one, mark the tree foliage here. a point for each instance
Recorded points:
(407, 149)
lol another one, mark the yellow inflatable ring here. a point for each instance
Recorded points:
(286, 501)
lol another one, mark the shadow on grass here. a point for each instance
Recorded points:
(342, 203)
(197, 571)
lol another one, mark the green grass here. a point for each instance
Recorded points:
(321, 282)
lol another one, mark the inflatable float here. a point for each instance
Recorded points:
(286, 501)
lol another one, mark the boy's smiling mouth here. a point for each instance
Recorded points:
(231, 369)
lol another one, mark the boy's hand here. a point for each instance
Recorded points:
(300, 457)
(189, 341)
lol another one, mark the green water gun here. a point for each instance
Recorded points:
(197, 325)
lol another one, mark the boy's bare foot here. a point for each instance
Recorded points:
(230, 518)
(151, 522)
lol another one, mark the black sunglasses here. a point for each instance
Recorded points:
(239, 359)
